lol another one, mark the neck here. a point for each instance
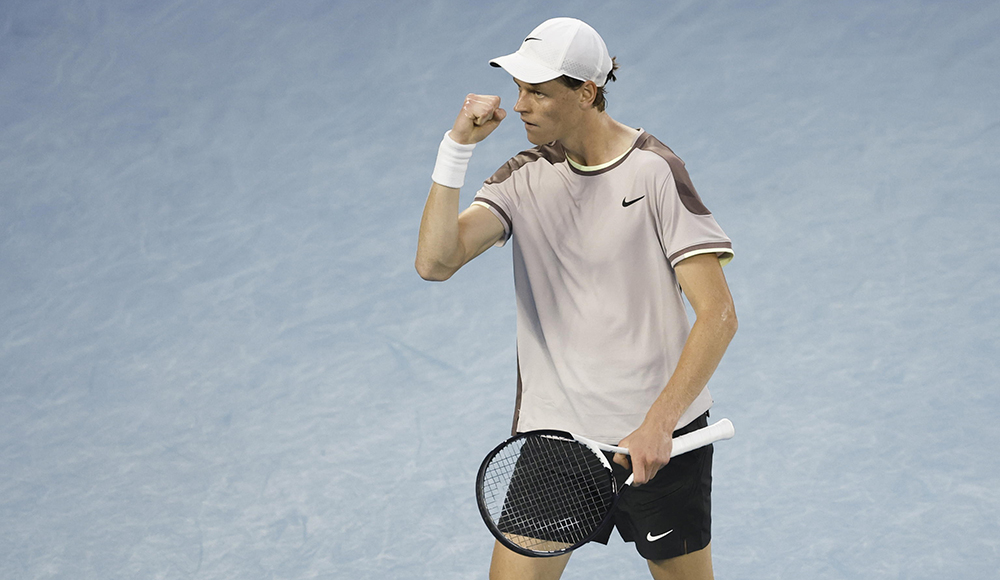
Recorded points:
(598, 139)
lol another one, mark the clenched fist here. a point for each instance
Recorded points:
(480, 115)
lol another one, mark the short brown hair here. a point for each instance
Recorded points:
(601, 100)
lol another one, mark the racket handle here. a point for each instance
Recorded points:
(721, 429)
(717, 431)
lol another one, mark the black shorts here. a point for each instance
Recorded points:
(671, 515)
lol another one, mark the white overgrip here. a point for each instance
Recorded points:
(718, 431)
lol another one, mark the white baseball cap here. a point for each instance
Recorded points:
(557, 47)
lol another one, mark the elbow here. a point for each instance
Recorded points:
(730, 323)
(720, 322)
(432, 271)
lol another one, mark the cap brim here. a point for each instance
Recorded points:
(525, 70)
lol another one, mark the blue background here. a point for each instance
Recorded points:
(217, 361)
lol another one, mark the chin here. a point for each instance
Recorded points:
(531, 132)
(536, 139)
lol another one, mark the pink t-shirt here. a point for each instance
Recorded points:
(601, 321)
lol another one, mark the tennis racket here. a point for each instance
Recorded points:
(547, 492)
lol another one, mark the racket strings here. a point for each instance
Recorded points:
(547, 493)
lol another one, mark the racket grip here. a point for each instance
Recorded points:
(717, 431)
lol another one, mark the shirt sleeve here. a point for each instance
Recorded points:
(497, 199)
(688, 228)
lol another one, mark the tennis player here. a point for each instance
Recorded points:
(608, 235)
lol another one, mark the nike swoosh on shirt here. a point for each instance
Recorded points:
(628, 203)
(651, 538)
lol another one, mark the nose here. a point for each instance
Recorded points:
(520, 106)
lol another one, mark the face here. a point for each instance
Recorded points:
(548, 110)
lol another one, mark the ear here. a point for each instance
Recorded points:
(587, 94)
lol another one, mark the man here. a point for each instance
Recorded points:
(607, 233)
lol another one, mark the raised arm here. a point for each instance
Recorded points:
(449, 239)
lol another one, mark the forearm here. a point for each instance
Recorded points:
(706, 344)
(439, 251)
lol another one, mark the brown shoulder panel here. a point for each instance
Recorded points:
(553, 153)
(689, 196)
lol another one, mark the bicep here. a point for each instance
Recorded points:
(478, 230)
(704, 284)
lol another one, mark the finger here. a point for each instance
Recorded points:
(477, 115)
(471, 108)
(486, 101)
(638, 473)
(495, 119)
(481, 109)
(488, 113)
(622, 459)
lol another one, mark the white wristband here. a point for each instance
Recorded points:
(452, 161)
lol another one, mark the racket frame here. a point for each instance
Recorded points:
(593, 446)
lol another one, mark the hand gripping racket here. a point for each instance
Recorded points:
(546, 492)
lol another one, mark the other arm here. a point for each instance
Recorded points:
(705, 286)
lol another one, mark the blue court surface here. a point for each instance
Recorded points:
(217, 360)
